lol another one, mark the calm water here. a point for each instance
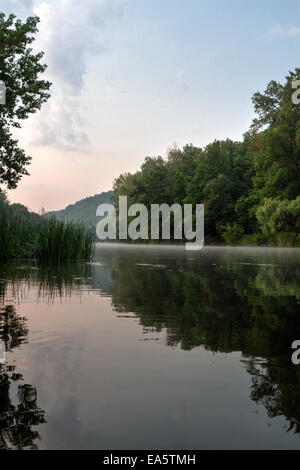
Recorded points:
(151, 347)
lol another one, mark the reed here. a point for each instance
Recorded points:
(59, 241)
(49, 239)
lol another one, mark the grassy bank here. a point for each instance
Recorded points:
(45, 239)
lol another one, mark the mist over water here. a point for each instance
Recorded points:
(152, 347)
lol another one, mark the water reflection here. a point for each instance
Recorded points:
(17, 416)
(224, 304)
(222, 300)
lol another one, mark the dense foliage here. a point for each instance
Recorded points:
(235, 180)
(20, 70)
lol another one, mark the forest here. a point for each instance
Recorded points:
(250, 189)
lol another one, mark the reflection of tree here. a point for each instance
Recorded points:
(277, 387)
(16, 416)
(223, 307)
(12, 327)
(50, 280)
(195, 308)
(220, 306)
(19, 411)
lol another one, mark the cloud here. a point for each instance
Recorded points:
(279, 31)
(70, 33)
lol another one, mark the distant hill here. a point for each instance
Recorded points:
(83, 211)
(17, 211)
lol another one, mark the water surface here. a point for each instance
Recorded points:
(152, 347)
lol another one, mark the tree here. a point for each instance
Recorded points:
(234, 179)
(267, 104)
(20, 70)
(279, 216)
(276, 160)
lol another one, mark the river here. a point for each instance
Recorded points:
(150, 347)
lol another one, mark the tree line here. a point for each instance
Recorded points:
(250, 188)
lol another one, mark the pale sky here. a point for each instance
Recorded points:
(133, 77)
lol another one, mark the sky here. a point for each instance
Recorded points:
(131, 78)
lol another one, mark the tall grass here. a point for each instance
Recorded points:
(59, 241)
(49, 239)
(16, 238)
